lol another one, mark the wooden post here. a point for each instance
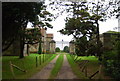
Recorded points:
(36, 62)
(75, 58)
(18, 68)
(100, 68)
(43, 58)
(40, 59)
(86, 71)
(84, 64)
(83, 69)
(93, 74)
(11, 68)
(78, 60)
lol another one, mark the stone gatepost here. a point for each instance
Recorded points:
(72, 47)
(52, 46)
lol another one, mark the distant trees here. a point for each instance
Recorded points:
(66, 49)
(57, 49)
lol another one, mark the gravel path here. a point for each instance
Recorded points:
(45, 72)
(66, 71)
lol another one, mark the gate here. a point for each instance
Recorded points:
(62, 44)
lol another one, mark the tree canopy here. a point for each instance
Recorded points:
(57, 49)
(66, 49)
(15, 18)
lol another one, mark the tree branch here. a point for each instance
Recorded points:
(4, 49)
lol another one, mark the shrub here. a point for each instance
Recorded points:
(112, 64)
(66, 49)
(39, 49)
(57, 49)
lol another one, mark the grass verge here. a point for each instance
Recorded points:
(57, 67)
(28, 63)
(93, 66)
(75, 68)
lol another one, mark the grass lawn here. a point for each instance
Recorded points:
(75, 68)
(28, 63)
(57, 67)
(93, 66)
(90, 58)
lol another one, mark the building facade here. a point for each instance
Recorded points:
(108, 39)
(72, 47)
(47, 45)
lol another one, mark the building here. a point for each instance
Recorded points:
(108, 39)
(72, 47)
(50, 43)
(47, 45)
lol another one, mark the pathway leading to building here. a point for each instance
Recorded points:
(66, 71)
(45, 72)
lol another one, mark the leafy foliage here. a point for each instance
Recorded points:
(66, 49)
(111, 60)
(82, 27)
(40, 48)
(57, 49)
(81, 11)
(17, 15)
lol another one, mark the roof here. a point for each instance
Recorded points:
(50, 35)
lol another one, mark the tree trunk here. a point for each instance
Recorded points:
(98, 36)
(6, 47)
(98, 42)
(27, 49)
(22, 43)
(21, 49)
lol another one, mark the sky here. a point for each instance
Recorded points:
(59, 24)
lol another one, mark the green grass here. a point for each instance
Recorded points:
(92, 66)
(75, 68)
(57, 67)
(90, 58)
(28, 63)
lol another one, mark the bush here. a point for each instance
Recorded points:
(57, 49)
(112, 64)
(66, 49)
(39, 49)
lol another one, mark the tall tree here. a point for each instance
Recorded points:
(81, 26)
(97, 12)
(15, 18)
(66, 49)
(57, 49)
